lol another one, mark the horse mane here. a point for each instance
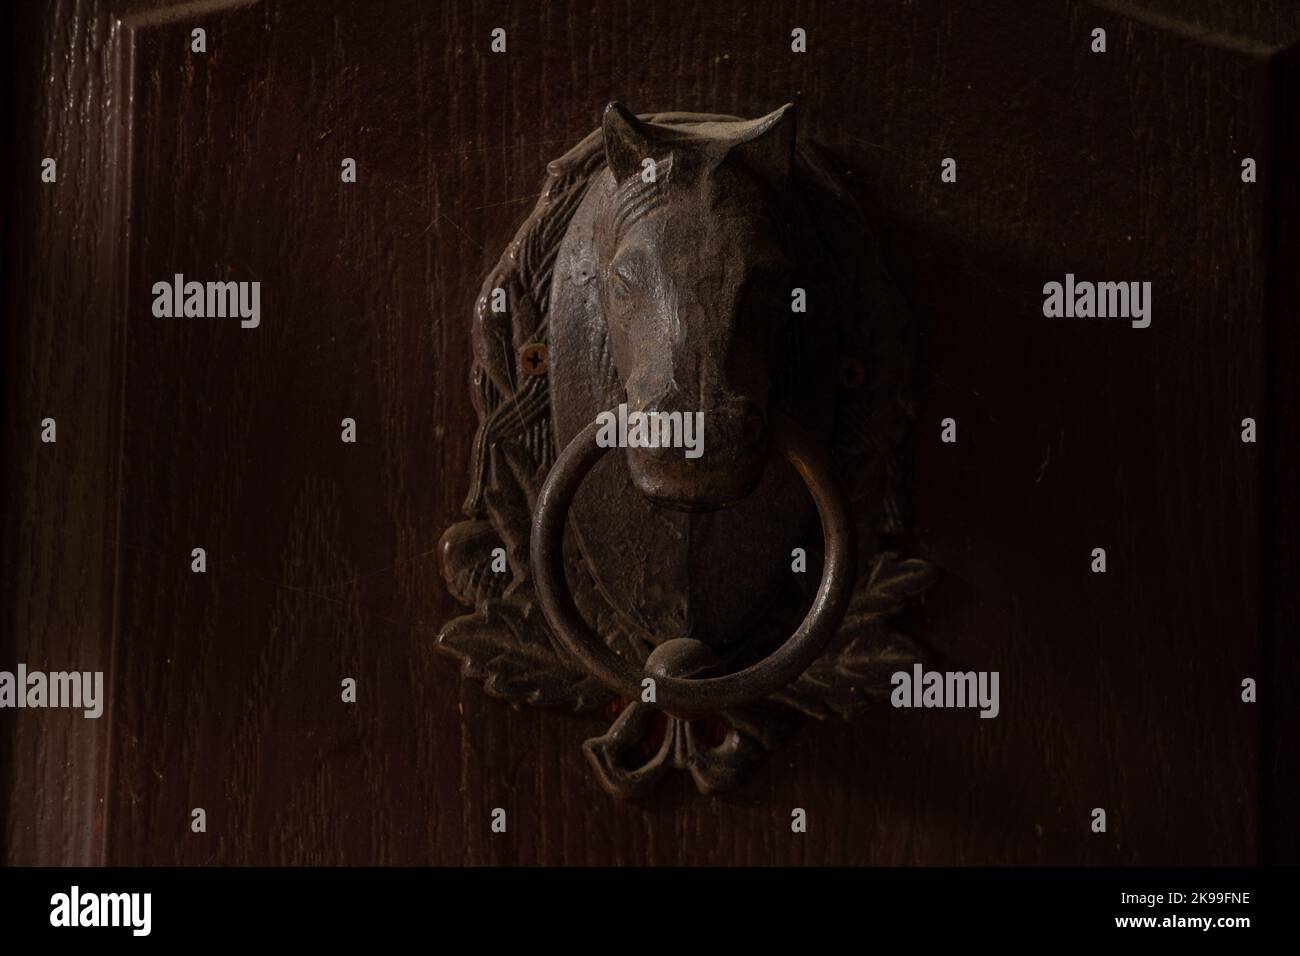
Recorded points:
(509, 402)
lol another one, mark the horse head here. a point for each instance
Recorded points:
(694, 259)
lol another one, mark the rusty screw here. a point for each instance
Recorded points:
(532, 359)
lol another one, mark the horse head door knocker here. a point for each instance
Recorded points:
(699, 296)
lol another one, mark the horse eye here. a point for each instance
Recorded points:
(622, 284)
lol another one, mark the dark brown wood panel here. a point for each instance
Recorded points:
(1118, 690)
(62, 360)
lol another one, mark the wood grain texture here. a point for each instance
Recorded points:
(1119, 691)
(62, 361)
(1279, 764)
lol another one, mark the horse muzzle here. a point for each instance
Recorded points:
(713, 460)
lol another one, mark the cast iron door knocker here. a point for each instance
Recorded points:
(701, 296)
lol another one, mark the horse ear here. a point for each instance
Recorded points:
(766, 144)
(627, 142)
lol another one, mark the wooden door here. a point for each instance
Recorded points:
(1120, 690)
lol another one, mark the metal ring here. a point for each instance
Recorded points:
(676, 694)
